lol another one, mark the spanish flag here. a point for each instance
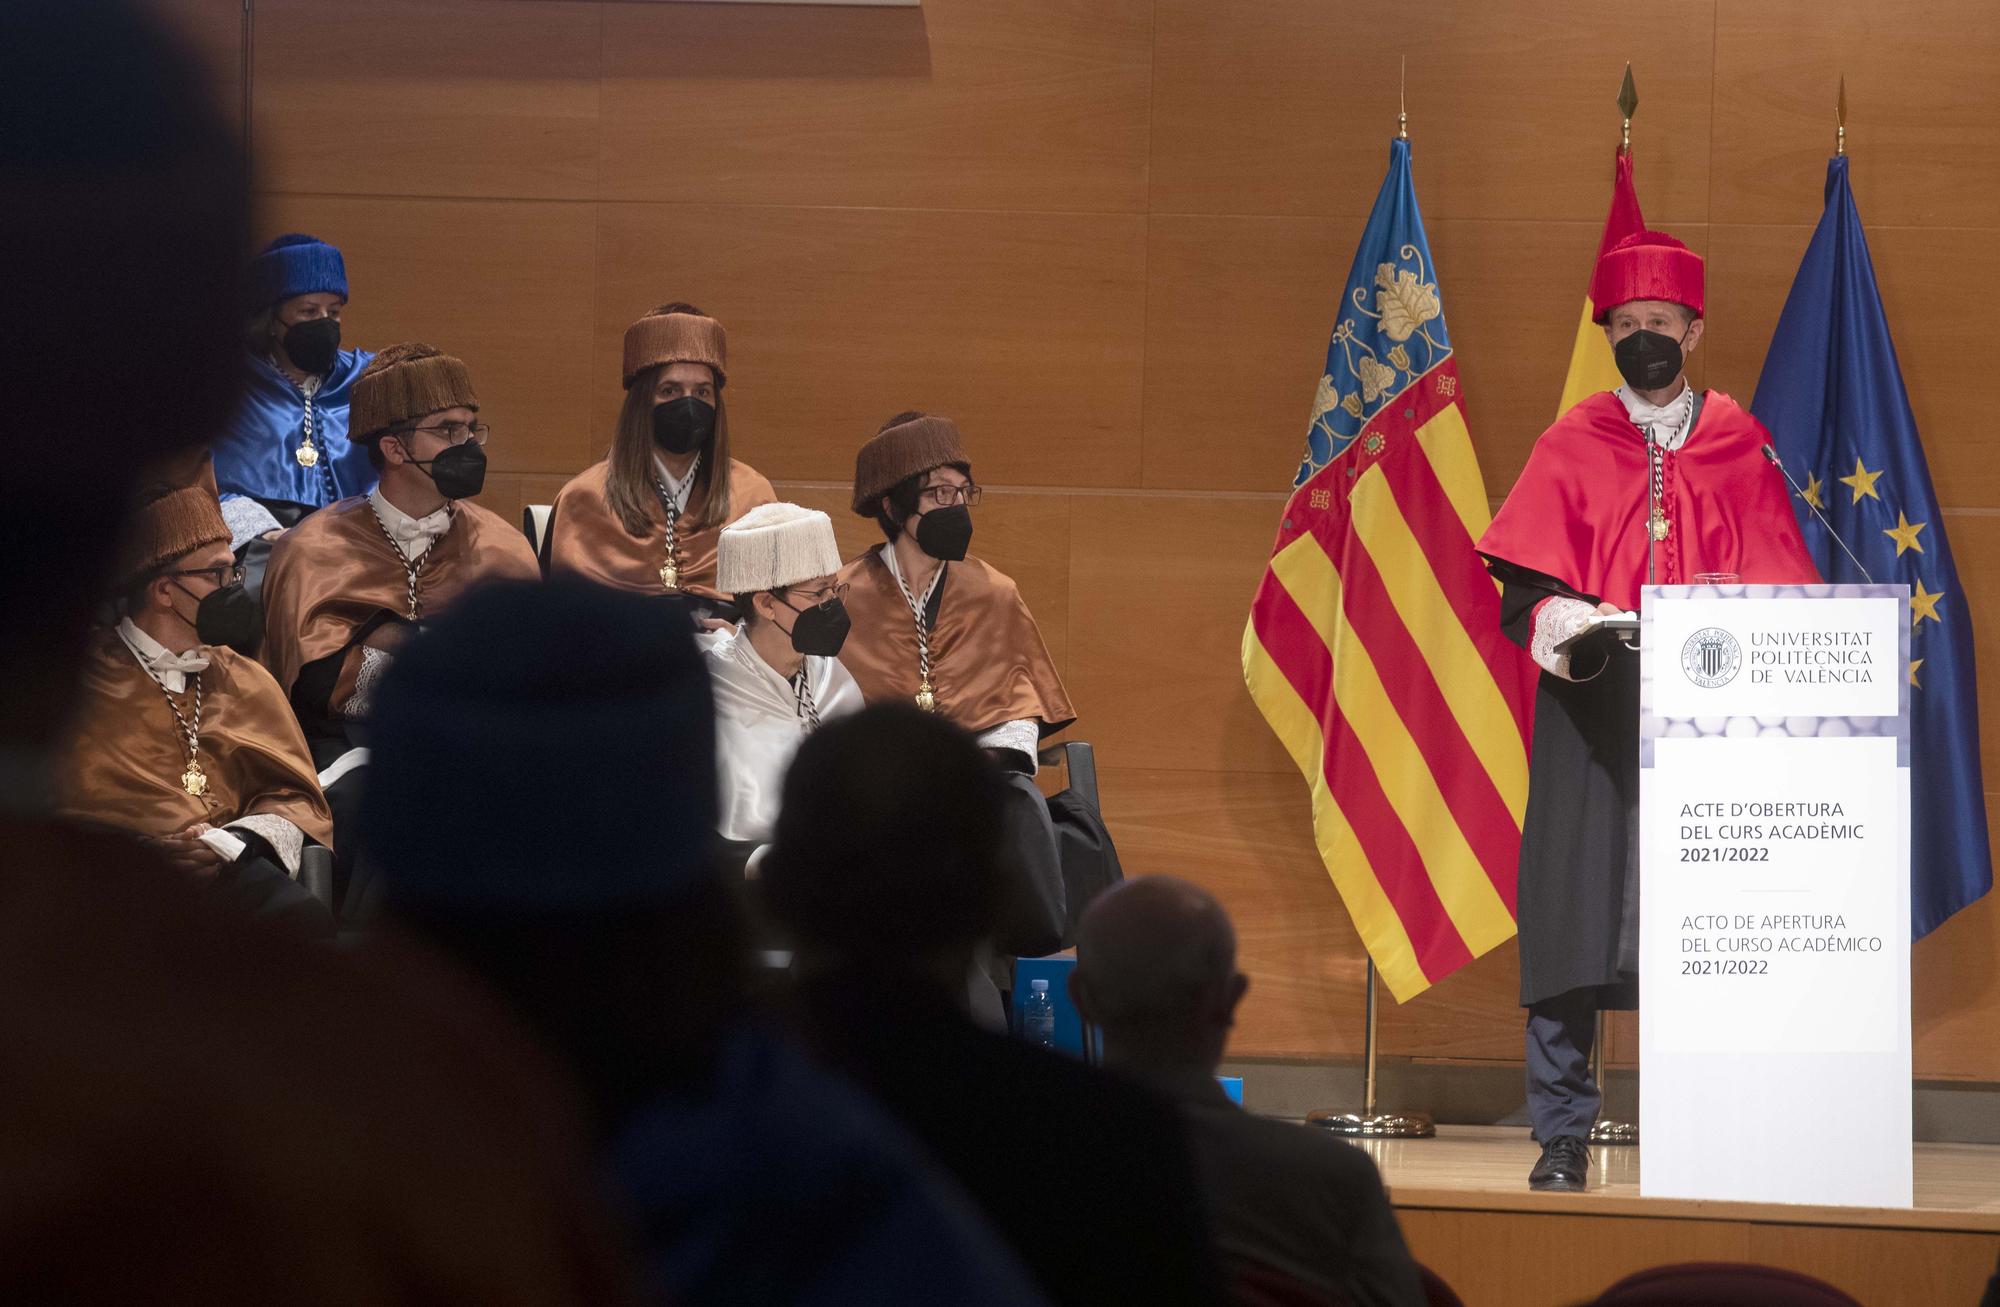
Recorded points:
(1374, 646)
(1590, 365)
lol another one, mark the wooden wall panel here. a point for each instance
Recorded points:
(1160, 586)
(1286, 106)
(1108, 237)
(427, 97)
(1923, 110)
(1026, 328)
(988, 104)
(504, 284)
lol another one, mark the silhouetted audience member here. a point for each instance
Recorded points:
(886, 871)
(543, 807)
(198, 1108)
(1156, 972)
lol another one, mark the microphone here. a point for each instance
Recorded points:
(1772, 454)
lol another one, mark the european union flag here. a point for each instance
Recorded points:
(1832, 395)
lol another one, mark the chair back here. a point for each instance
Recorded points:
(1722, 1284)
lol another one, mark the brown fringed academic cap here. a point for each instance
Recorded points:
(675, 338)
(900, 451)
(404, 383)
(171, 525)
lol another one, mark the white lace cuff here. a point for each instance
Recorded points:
(246, 519)
(374, 666)
(285, 839)
(1024, 735)
(1556, 620)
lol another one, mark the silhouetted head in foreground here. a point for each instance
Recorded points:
(886, 859)
(541, 804)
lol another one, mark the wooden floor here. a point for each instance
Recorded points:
(1466, 1208)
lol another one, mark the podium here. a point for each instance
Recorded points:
(1774, 928)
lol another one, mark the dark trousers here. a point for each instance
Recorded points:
(1562, 1097)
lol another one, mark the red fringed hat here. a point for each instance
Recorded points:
(1647, 265)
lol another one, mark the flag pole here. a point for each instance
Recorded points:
(1612, 1132)
(1368, 1122)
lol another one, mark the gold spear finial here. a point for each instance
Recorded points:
(1402, 102)
(1840, 121)
(1628, 102)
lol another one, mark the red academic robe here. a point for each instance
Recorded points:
(1579, 511)
(1576, 524)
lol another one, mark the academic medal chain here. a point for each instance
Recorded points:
(1657, 526)
(926, 695)
(307, 453)
(411, 566)
(670, 504)
(802, 692)
(194, 780)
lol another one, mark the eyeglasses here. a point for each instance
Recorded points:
(823, 595)
(456, 433)
(944, 496)
(221, 574)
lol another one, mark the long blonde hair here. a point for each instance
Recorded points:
(629, 480)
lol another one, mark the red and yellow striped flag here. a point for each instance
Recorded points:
(1374, 647)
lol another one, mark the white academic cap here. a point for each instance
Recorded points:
(775, 545)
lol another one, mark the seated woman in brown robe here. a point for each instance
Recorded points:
(934, 626)
(182, 741)
(646, 518)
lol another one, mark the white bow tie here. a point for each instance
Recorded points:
(411, 530)
(172, 670)
(1672, 413)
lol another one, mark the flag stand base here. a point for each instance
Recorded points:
(1369, 1123)
(1609, 1134)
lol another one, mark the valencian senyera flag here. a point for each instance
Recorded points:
(1832, 395)
(1374, 646)
(1591, 367)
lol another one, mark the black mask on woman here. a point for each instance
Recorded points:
(821, 630)
(228, 617)
(458, 472)
(681, 426)
(1648, 360)
(311, 344)
(945, 533)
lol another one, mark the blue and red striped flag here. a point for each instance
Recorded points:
(1374, 647)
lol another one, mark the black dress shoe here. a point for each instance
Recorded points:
(1565, 1164)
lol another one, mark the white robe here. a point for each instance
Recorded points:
(758, 729)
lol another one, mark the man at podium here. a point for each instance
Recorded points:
(1651, 483)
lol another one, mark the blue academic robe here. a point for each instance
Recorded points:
(257, 454)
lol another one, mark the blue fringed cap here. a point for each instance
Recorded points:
(295, 264)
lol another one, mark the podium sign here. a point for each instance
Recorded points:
(1774, 936)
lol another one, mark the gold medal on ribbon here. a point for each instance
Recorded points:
(307, 453)
(194, 780)
(670, 575)
(926, 700)
(1659, 525)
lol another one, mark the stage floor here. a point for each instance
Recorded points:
(1486, 1167)
(1466, 1209)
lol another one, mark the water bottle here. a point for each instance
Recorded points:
(1038, 1015)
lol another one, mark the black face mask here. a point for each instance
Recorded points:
(1648, 360)
(821, 630)
(681, 426)
(945, 533)
(458, 472)
(311, 344)
(228, 617)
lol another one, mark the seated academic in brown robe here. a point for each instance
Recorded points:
(936, 627)
(647, 518)
(346, 586)
(182, 741)
(350, 582)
